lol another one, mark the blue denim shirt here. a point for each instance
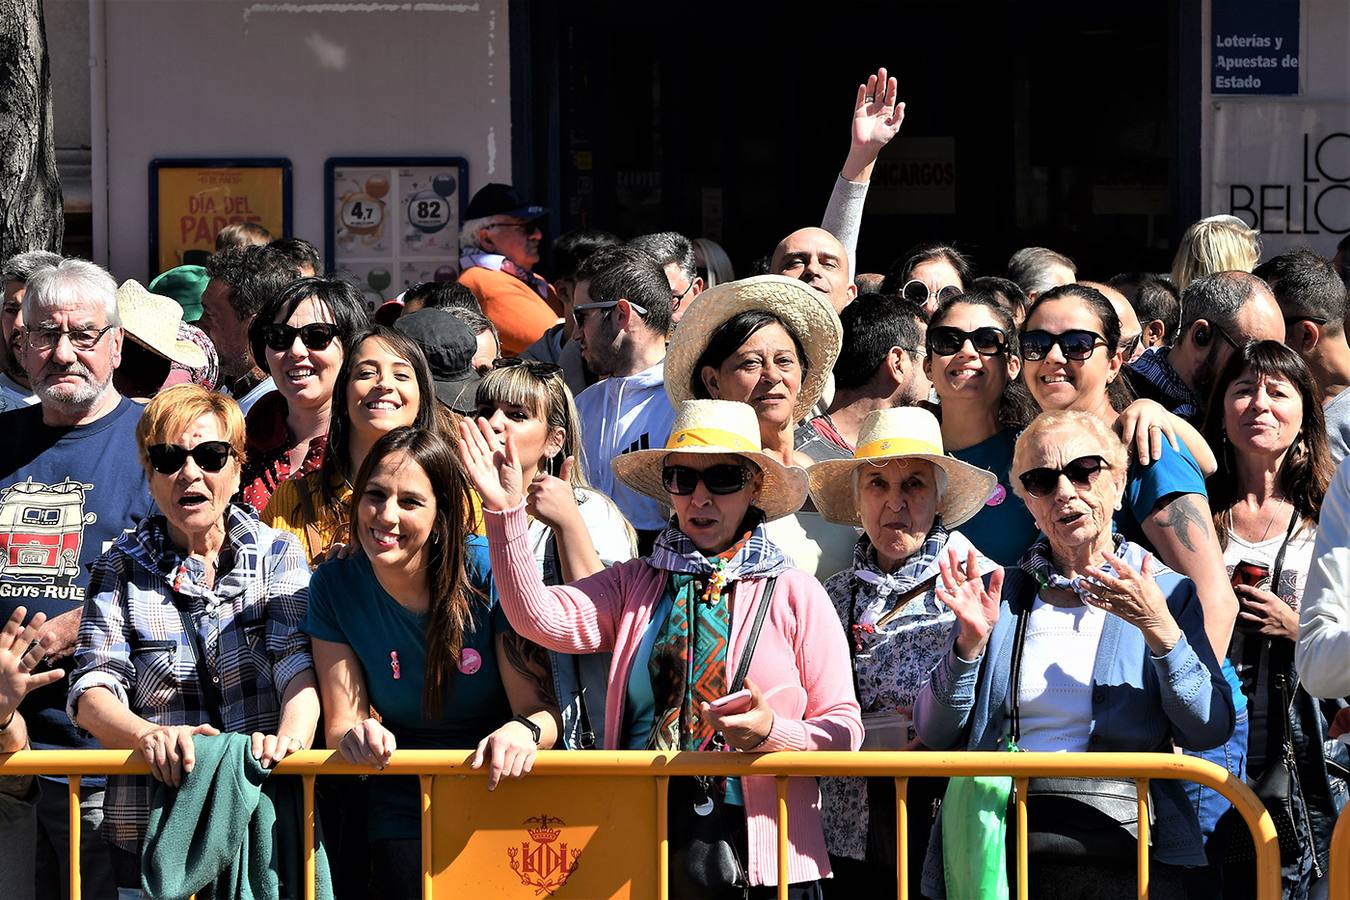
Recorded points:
(1140, 703)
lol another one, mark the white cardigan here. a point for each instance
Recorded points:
(1323, 655)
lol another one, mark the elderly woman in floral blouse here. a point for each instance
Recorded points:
(906, 494)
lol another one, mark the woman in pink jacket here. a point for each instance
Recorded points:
(690, 606)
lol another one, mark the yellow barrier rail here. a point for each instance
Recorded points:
(429, 765)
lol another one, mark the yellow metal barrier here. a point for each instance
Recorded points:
(615, 812)
(1340, 858)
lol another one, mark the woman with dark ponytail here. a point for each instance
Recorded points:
(410, 627)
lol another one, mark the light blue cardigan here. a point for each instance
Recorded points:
(1139, 703)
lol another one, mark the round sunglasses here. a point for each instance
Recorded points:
(945, 340)
(917, 292)
(1080, 472)
(210, 456)
(315, 335)
(1076, 343)
(724, 478)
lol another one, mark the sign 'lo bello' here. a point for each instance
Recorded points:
(1319, 203)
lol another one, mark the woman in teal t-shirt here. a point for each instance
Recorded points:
(410, 627)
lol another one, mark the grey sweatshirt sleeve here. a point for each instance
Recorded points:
(843, 217)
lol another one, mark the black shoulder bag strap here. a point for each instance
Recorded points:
(1014, 703)
(552, 578)
(209, 689)
(761, 613)
(1280, 658)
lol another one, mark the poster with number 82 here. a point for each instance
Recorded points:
(394, 222)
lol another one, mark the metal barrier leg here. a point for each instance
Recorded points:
(781, 785)
(73, 796)
(902, 838)
(663, 839)
(308, 782)
(1141, 795)
(1020, 786)
(425, 781)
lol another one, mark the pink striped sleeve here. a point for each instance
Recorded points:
(576, 618)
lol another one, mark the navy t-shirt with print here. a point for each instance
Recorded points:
(348, 606)
(65, 495)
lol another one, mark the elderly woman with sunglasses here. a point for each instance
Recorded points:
(1089, 645)
(300, 337)
(191, 621)
(692, 605)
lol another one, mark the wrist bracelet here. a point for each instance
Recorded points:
(536, 732)
(10, 721)
(759, 743)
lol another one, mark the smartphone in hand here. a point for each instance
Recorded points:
(732, 704)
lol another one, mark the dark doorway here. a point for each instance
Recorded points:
(1051, 123)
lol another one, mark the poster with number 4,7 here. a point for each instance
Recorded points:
(393, 222)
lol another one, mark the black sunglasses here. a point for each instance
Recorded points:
(315, 335)
(535, 367)
(944, 340)
(917, 292)
(210, 456)
(1080, 472)
(724, 478)
(1076, 343)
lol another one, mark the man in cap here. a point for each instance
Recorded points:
(449, 345)
(499, 244)
(14, 388)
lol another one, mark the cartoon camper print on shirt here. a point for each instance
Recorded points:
(41, 533)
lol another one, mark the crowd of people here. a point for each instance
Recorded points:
(643, 503)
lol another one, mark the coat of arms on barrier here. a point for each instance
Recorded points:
(543, 862)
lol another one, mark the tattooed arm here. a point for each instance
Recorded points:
(1182, 533)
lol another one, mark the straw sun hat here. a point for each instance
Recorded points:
(805, 312)
(715, 426)
(904, 433)
(152, 321)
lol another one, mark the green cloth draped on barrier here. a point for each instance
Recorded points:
(229, 831)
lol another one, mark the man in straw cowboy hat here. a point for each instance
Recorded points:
(691, 605)
(908, 497)
(150, 323)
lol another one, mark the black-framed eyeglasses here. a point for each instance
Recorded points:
(210, 456)
(1080, 472)
(315, 335)
(525, 227)
(1223, 333)
(676, 298)
(535, 367)
(45, 338)
(721, 479)
(1076, 343)
(946, 340)
(1294, 320)
(917, 292)
(579, 312)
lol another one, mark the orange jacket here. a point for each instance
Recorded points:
(520, 314)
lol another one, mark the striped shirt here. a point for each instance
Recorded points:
(132, 640)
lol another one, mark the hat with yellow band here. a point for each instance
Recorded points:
(716, 427)
(904, 433)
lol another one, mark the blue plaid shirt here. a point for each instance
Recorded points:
(132, 640)
(1166, 385)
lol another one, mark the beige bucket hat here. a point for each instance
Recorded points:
(904, 433)
(805, 312)
(152, 321)
(716, 426)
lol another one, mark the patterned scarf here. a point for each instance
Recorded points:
(884, 584)
(495, 261)
(688, 664)
(1039, 564)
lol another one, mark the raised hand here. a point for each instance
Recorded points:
(975, 607)
(551, 500)
(876, 119)
(1136, 598)
(21, 650)
(495, 473)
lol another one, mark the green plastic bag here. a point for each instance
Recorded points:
(975, 836)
